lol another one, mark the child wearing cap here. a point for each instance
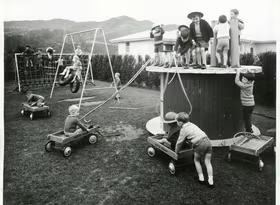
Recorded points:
(183, 45)
(221, 30)
(157, 34)
(73, 125)
(34, 99)
(246, 85)
(200, 33)
(201, 145)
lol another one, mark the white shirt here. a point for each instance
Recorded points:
(222, 30)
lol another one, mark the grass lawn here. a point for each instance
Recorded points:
(117, 170)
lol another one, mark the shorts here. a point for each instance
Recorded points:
(200, 42)
(158, 48)
(222, 44)
(71, 134)
(203, 147)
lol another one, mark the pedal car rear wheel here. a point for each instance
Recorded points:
(49, 146)
(92, 139)
(151, 151)
(67, 151)
(171, 168)
(75, 86)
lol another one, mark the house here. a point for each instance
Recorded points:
(141, 44)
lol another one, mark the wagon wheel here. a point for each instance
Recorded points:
(49, 113)
(229, 157)
(172, 168)
(93, 139)
(31, 116)
(151, 151)
(67, 151)
(260, 164)
(22, 112)
(49, 146)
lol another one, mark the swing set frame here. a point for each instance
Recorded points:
(89, 66)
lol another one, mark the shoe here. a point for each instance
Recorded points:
(203, 66)
(160, 65)
(166, 65)
(223, 66)
(219, 65)
(200, 182)
(186, 66)
(197, 66)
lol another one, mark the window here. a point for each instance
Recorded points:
(127, 47)
(251, 50)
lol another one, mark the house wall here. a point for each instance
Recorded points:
(264, 47)
(136, 48)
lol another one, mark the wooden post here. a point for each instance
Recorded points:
(234, 43)
(162, 87)
(213, 43)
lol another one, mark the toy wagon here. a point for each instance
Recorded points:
(185, 156)
(60, 141)
(251, 145)
(32, 110)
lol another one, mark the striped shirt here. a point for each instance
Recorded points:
(246, 92)
(191, 132)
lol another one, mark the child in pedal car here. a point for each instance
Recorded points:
(73, 125)
(34, 99)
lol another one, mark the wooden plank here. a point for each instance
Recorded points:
(209, 70)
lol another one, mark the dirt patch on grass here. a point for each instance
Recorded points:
(125, 131)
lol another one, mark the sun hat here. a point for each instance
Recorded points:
(170, 117)
(195, 13)
(155, 25)
(183, 26)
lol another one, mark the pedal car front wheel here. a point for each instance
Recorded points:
(171, 168)
(92, 139)
(151, 151)
(49, 146)
(67, 151)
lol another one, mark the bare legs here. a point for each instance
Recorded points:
(208, 165)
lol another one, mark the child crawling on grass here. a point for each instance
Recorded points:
(73, 125)
(34, 99)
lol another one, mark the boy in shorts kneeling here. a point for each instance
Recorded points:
(201, 145)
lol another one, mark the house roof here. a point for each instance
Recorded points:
(170, 36)
(145, 36)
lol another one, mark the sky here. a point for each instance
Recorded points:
(259, 16)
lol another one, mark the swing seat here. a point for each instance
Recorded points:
(64, 81)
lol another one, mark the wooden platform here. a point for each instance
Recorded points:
(208, 70)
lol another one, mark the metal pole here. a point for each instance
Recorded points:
(162, 86)
(94, 29)
(54, 81)
(111, 67)
(91, 73)
(73, 43)
(17, 72)
(85, 81)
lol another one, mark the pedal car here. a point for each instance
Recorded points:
(60, 141)
(32, 110)
(184, 157)
(250, 145)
